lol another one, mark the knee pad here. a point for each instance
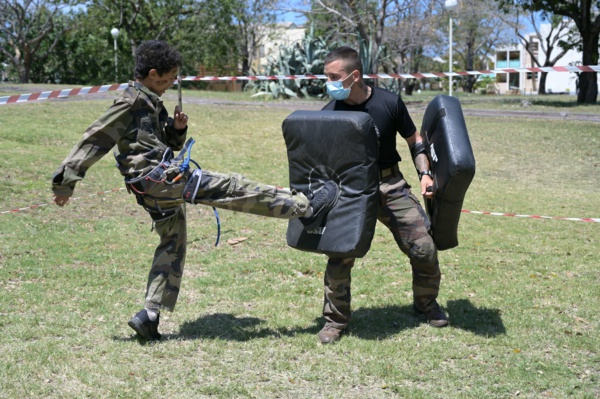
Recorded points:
(423, 251)
(191, 187)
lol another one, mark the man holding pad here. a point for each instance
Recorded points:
(399, 210)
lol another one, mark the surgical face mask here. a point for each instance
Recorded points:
(336, 89)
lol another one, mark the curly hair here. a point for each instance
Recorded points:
(155, 54)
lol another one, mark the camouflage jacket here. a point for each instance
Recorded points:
(140, 127)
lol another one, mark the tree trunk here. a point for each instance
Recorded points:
(470, 83)
(588, 81)
(25, 66)
(23, 73)
(542, 89)
(588, 88)
(245, 66)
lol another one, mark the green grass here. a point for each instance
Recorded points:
(521, 294)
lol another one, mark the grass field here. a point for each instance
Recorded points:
(520, 292)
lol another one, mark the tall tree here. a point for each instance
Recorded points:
(411, 34)
(143, 19)
(209, 38)
(361, 23)
(227, 34)
(25, 26)
(586, 16)
(85, 55)
(253, 20)
(478, 30)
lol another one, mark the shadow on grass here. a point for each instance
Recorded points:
(382, 322)
(232, 328)
(479, 321)
(367, 323)
(226, 327)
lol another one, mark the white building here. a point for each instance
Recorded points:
(282, 34)
(271, 38)
(528, 82)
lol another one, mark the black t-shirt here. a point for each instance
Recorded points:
(390, 116)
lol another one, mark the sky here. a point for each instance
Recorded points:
(294, 17)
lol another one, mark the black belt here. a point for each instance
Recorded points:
(393, 171)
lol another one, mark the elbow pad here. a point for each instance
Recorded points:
(418, 148)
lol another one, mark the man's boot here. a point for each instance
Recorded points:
(329, 333)
(435, 315)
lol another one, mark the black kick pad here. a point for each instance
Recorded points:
(445, 136)
(340, 146)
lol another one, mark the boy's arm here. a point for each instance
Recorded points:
(176, 129)
(97, 141)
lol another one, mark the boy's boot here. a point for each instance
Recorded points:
(144, 327)
(321, 201)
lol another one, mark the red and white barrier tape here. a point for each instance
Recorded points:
(595, 220)
(44, 95)
(569, 68)
(115, 190)
(19, 98)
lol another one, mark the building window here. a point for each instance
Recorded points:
(513, 81)
(533, 47)
(501, 61)
(514, 59)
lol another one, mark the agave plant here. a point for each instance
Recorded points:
(302, 58)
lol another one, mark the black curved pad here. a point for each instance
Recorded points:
(445, 135)
(343, 146)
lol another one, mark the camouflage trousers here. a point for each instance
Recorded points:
(227, 191)
(401, 212)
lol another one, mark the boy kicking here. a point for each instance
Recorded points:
(146, 138)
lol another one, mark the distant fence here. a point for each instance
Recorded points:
(19, 98)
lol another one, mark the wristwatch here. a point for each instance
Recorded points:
(425, 172)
